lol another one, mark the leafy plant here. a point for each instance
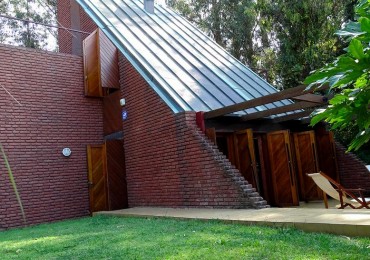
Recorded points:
(12, 181)
(349, 78)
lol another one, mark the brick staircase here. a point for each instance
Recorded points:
(251, 198)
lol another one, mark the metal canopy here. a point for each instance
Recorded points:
(186, 68)
(305, 102)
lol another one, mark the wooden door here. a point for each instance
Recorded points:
(282, 171)
(326, 154)
(306, 155)
(112, 113)
(97, 174)
(262, 163)
(211, 134)
(225, 143)
(117, 187)
(245, 158)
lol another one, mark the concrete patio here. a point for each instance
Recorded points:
(346, 222)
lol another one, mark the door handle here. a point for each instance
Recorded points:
(90, 184)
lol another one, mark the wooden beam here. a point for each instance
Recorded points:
(305, 121)
(292, 116)
(311, 98)
(284, 94)
(279, 110)
(292, 92)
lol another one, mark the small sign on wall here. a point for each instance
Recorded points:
(124, 115)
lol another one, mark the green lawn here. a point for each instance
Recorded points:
(140, 238)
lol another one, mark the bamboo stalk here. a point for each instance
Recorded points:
(12, 181)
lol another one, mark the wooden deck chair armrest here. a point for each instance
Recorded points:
(342, 192)
(360, 198)
(359, 189)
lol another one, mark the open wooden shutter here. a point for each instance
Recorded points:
(108, 62)
(97, 174)
(92, 71)
(282, 171)
(326, 154)
(306, 154)
(245, 156)
(101, 69)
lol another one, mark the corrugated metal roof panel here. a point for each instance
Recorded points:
(183, 65)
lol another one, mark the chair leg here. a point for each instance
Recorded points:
(325, 200)
(342, 206)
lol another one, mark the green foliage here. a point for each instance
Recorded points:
(348, 77)
(24, 33)
(230, 23)
(304, 34)
(4, 6)
(345, 137)
(282, 40)
(12, 181)
(140, 238)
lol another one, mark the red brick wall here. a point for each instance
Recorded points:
(64, 18)
(87, 24)
(352, 171)
(53, 114)
(168, 161)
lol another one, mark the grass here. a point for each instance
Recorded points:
(140, 238)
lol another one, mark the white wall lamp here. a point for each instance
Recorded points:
(66, 152)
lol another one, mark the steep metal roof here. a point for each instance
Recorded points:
(187, 69)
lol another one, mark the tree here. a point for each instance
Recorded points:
(349, 78)
(231, 23)
(3, 10)
(24, 33)
(279, 39)
(301, 33)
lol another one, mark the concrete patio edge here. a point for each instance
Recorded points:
(334, 221)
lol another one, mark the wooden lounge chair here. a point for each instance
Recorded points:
(338, 192)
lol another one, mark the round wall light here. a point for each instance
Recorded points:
(66, 152)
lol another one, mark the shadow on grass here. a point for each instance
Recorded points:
(139, 238)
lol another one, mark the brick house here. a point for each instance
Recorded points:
(140, 104)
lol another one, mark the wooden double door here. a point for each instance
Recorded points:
(291, 157)
(282, 177)
(106, 176)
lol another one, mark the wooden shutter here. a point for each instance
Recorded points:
(245, 159)
(91, 54)
(97, 175)
(101, 69)
(306, 154)
(282, 171)
(109, 62)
